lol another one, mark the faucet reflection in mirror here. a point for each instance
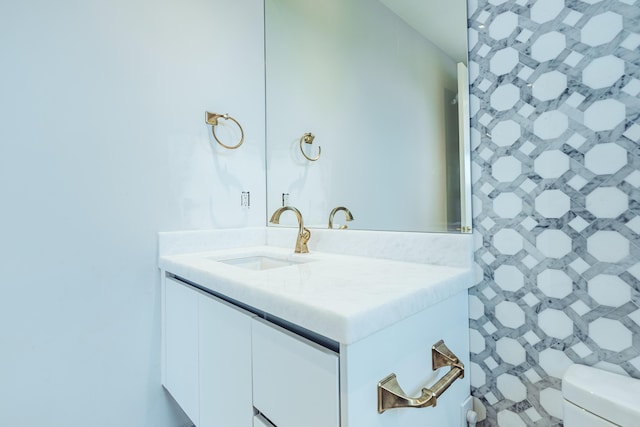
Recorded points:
(303, 233)
(347, 213)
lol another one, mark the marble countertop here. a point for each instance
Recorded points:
(342, 297)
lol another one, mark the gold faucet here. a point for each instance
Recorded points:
(303, 233)
(347, 213)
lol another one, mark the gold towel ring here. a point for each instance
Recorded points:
(308, 138)
(212, 119)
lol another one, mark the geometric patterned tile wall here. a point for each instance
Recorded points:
(555, 100)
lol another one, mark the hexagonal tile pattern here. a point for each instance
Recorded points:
(478, 377)
(508, 242)
(608, 246)
(554, 362)
(505, 97)
(607, 202)
(546, 10)
(553, 203)
(507, 205)
(604, 115)
(511, 351)
(550, 124)
(476, 341)
(555, 175)
(551, 164)
(555, 323)
(505, 133)
(603, 72)
(553, 243)
(511, 387)
(504, 61)
(549, 85)
(508, 418)
(551, 400)
(554, 283)
(503, 25)
(509, 278)
(548, 46)
(510, 314)
(601, 29)
(506, 169)
(609, 290)
(606, 158)
(610, 334)
(476, 308)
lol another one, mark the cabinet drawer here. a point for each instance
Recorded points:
(295, 381)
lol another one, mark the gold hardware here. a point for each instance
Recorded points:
(391, 395)
(212, 119)
(303, 233)
(465, 229)
(308, 138)
(347, 214)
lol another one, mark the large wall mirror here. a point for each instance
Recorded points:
(382, 86)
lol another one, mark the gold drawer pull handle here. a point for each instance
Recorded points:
(391, 395)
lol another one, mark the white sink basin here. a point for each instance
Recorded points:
(261, 262)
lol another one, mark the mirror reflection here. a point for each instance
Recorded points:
(367, 111)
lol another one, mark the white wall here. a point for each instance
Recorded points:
(102, 144)
(371, 89)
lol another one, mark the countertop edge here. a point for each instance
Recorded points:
(345, 329)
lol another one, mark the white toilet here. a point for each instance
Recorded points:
(596, 398)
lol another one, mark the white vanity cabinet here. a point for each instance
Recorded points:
(224, 340)
(224, 365)
(221, 362)
(180, 346)
(404, 348)
(318, 339)
(207, 356)
(295, 381)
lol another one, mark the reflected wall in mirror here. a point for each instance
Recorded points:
(384, 104)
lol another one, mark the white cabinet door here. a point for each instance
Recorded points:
(225, 364)
(404, 348)
(295, 381)
(181, 346)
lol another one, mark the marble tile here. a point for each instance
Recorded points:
(555, 109)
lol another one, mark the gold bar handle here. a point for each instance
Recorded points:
(391, 395)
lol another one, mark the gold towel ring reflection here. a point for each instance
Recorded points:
(212, 119)
(308, 138)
